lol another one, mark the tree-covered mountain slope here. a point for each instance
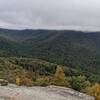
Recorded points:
(76, 49)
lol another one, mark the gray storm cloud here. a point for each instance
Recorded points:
(50, 14)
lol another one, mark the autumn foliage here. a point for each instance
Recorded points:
(18, 81)
(94, 91)
(60, 78)
(59, 75)
(23, 79)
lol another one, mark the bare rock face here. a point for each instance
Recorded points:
(41, 93)
(70, 94)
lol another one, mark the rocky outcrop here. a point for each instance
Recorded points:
(3, 82)
(41, 93)
(70, 93)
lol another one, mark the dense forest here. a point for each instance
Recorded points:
(50, 57)
(74, 49)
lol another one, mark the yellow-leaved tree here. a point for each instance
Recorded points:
(60, 78)
(18, 80)
(59, 75)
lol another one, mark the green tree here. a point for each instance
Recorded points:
(79, 83)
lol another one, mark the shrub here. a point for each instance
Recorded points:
(24, 79)
(79, 83)
(42, 81)
(94, 91)
(18, 81)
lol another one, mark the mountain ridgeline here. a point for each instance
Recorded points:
(75, 49)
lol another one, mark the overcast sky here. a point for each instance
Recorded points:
(50, 14)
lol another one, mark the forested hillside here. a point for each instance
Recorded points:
(74, 49)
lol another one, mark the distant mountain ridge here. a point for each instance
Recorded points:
(77, 49)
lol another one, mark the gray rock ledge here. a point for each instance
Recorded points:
(13, 92)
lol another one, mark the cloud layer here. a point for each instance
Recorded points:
(50, 14)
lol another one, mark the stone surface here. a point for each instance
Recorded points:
(13, 92)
